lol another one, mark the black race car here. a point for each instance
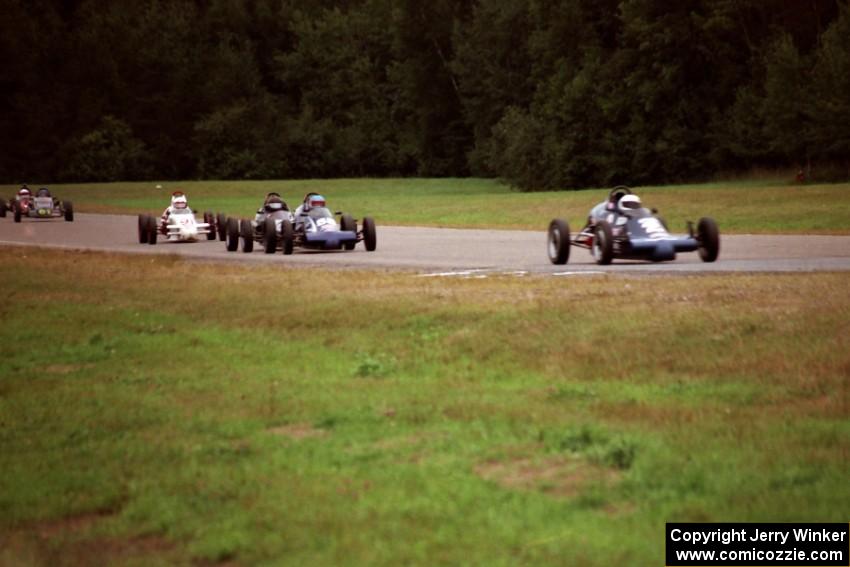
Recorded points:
(266, 228)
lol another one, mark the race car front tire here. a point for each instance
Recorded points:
(232, 235)
(16, 211)
(287, 235)
(3, 206)
(558, 241)
(603, 243)
(247, 234)
(143, 229)
(347, 223)
(708, 237)
(69, 211)
(152, 230)
(370, 235)
(269, 236)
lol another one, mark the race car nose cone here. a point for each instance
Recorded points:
(664, 251)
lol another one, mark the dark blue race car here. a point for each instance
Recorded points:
(622, 228)
(317, 228)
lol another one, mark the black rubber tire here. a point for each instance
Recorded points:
(347, 223)
(603, 243)
(269, 236)
(69, 211)
(558, 241)
(153, 230)
(246, 231)
(370, 235)
(708, 237)
(16, 211)
(209, 218)
(143, 229)
(287, 236)
(232, 242)
(3, 206)
(221, 226)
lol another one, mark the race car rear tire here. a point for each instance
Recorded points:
(269, 236)
(708, 237)
(603, 243)
(143, 229)
(347, 223)
(16, 211)
(69, 211)
(153, 229)
(247, 233)
(370, 235)
(287, 235)
(558, 241)
(209, 218)
(3, 206)
(221, 226)
(232, 235)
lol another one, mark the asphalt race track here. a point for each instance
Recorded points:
(442, 251)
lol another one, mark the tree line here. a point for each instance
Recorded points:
(544, 94)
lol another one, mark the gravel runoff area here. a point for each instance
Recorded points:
(443, 251)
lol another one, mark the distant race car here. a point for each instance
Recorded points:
(180, 227)
(622, 228)
(42, 206)
(311, 226)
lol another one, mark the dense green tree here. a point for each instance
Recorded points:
(829, 99)
(108, 153)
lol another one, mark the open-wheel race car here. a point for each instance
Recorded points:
(41, 206)
(265, 229)
(177, 224)
(311, 226)
(181, 226)
(622, 228)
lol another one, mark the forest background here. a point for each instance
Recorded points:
(543, 94)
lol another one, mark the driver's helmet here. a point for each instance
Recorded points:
(628, 203)
(43, 192)
(270, 196)
(24, 193)
(314, 200)
(274, 203)
(178, 200)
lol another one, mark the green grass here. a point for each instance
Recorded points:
(155, 410)
(737, 206)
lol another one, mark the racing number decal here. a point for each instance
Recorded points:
(325, 224)
(653, 227)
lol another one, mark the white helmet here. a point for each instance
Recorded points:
(628, 203)
(178, 200)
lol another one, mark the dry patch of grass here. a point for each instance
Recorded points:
(80, 539)
(562, 476)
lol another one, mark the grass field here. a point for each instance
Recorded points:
(748, 207)
(155, 410)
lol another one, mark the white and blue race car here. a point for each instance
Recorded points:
(620, 227)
